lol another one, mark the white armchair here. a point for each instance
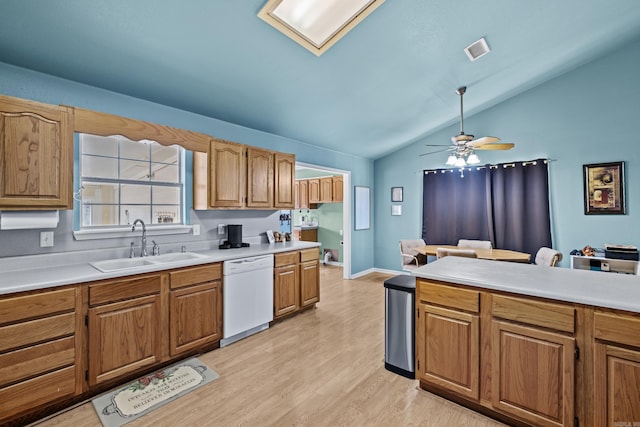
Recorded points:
(475, 244)
(548, 257)
(411, 259)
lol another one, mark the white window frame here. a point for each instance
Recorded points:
(116, 231)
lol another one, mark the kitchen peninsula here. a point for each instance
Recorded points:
(528, 344)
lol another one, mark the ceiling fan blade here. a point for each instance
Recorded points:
(484, 140)
(435, 152)
(501, 146)
(437, 145)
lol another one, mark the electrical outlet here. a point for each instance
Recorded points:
(222, 228)
(196, 229)
(46, 239)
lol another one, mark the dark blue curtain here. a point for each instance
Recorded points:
(507, 204)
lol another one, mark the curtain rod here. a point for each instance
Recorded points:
(504, 165)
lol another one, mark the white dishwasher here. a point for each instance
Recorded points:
(247, 297)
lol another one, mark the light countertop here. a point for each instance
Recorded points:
(599, 289)
(32, 272)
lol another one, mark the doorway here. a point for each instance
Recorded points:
(343, 227)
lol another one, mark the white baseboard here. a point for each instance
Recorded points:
(396, 272)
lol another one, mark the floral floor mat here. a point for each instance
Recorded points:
(145, 394)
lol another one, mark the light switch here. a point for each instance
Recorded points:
(221, 228)
(46, 239)
(196, 229)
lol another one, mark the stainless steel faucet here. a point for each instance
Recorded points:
(143, 251)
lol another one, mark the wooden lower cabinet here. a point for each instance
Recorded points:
(511, 356)
(286, 285)
(533, 374)
(449, 354)
(616, 369)
(296, 281)
(126, 326)
(41, 358)
(195, 308)
(124, 337)
(309, 277)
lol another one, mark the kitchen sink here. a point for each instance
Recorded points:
(124, 263)
(121, 264)
(176, 256)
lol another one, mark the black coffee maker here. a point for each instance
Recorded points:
(234, 236)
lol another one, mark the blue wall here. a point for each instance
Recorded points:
(588, 115)
(27, 84)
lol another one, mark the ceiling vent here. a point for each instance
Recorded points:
(477, 49)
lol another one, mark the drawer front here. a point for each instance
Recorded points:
(286, 258)
(618, 328)
(31, 361)
(309, 254)
(125, 288)
(36, 331)
(194, 275)
(25, 395)
(16, 308)
(545, 314)
(449, 296)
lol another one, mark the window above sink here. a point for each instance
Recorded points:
(120, 180)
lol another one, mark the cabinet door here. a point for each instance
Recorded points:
(617, 391)
(196, 316)
(304, 194)
(326, 190)
(296, 192)
(314, 190)
(259, 178)
(36, 153)
(617, 369)
(309, 283)
(337, 189)
(227, 173)
(286, 290)
(533, 374)
(124, 337)
(448, 349)
(285, 169)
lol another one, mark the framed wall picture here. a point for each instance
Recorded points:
(396, 194)
(604, 188)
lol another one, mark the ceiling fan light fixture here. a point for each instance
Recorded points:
(451, 160)
(473, 159)
(460, 163)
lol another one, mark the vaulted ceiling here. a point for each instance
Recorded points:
(389, 82)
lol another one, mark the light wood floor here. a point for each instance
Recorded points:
(324, 367)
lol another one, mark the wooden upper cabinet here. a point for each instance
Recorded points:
(337, 189)
(259, 178)
(326, 190)
(36, 155)
(285, 170)
(314, 190)
(303, 194)
(236, 176)
(226, 174)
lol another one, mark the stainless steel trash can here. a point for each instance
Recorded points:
(399, 331)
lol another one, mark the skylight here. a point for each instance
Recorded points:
(316, 24)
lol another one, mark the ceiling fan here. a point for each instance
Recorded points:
(463, 146)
